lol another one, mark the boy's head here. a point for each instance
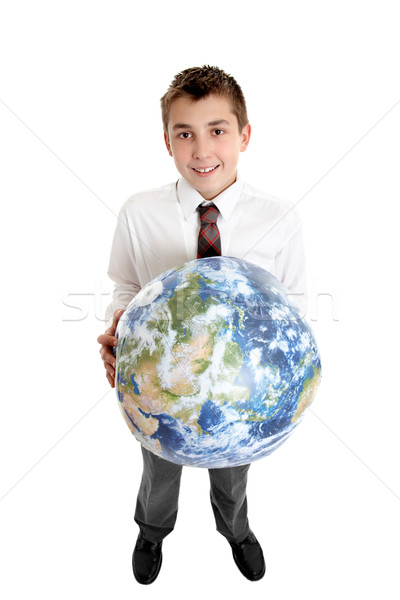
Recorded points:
(205, 127)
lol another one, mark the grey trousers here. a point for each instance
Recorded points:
(157, 501)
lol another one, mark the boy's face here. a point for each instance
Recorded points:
(204, 134)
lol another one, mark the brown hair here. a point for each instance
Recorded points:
(199, 82)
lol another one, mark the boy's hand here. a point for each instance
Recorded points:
(108, 341)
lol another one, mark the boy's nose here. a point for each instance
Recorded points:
(201, 150)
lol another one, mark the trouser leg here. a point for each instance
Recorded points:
(157, 501)
(229, 501)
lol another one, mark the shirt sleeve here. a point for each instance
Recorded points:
(122, 268)
(290, 270)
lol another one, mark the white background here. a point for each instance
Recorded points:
(80, 130)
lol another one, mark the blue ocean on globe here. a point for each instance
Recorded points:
(215, 367)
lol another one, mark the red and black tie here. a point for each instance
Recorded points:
(209, 238)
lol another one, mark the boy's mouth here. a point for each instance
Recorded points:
(205, 170)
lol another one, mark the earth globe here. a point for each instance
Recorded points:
(215, 367)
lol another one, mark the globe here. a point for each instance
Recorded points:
(215, 367)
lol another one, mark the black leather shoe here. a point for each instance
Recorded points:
(249, 558)
(146, 560)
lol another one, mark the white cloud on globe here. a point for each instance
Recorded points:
(149, 293)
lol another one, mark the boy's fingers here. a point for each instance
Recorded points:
(107, 340)
(110, 369)
(108, 357)
(117, 316)
(110, 373)
(110, 380)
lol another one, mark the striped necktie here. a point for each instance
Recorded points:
(209, 238)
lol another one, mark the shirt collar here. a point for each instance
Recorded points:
(226, 201)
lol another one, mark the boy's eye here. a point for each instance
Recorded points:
(218, 131)
(184, 135)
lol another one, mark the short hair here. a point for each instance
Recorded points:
(200, 82)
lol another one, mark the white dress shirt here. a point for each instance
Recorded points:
(158, 230)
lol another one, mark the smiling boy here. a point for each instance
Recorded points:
(205, 129)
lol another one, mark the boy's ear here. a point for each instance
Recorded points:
(167, 144)
(246, 133)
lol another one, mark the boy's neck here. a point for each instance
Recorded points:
(209, 197)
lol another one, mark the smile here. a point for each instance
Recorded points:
(206, 169)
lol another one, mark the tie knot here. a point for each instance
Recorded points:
(208, 213)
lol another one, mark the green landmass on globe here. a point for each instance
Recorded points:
(214, 367)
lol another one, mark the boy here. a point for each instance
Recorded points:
(205, 130)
